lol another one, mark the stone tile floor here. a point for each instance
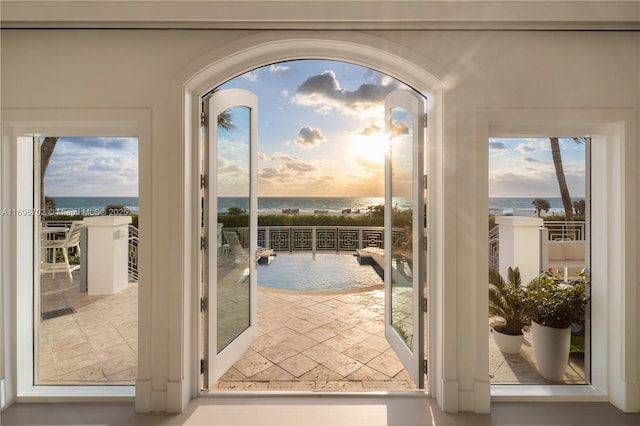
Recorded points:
(98, 344)
(311, 341)
(521, 368)
(319, 341)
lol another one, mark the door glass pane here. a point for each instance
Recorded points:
(402, 239)
(233, 182)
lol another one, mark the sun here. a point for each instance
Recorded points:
(369, 148)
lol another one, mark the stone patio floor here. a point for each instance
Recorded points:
(98, 344)
(305, 342)
(318, 342)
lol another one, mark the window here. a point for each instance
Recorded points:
(538, 222)
(20, 143)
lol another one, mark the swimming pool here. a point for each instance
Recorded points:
(319, 272)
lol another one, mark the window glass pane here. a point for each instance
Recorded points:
(538, 221)
(87, 331)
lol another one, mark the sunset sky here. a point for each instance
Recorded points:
(320, 133)
(320, 128)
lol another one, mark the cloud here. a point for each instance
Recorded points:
(400, 128)
(325, 92)
(278, 69)
(251, 76)
(309, 137)
(371, 130)
(83, 167)
(262, 156)
(533, 160)
(292, 163)
(497, 145)
(534, 145)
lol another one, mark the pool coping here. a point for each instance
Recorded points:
(320, 292)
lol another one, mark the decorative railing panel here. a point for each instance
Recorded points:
(563, 230)
(133, 253)
(494, 248)
(316, 238)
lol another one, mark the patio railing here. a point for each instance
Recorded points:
(289, 239)
(133, 253)
(132, 261)
(558, 231)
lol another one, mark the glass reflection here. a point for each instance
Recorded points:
(233, 181)
(402, 235)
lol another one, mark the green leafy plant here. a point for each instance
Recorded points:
(508, 300)
(554, 303)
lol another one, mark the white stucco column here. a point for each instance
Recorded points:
(107, 260)
(520, 245)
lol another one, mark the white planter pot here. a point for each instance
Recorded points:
(507, 343)
(551, 347)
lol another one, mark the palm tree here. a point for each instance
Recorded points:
(541, 204)
(562, 182)
(46, 151)
(225, 121)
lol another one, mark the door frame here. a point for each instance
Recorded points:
(222, 64)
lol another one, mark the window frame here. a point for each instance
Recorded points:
(17, 169)
(608, 249)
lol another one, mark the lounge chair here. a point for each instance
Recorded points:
(237, 251)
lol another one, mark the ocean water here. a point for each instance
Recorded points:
(92, 205)
(270, 205)
(306, 205)
(508, 204)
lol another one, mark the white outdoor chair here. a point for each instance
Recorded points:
(72, 239)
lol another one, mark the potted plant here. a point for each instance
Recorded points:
(507, 300)
(553, 306)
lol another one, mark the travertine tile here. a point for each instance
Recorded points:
(278, 352)
(298, 365)
(320, 373)
(361, 352)
(339, 385)
(232, 374)
(252, 364)
(321, 334)
(366, 373)
(263, 342)
(283, 333)
(273, 373)
(320, 353)
(119, 364)
(342, 364)
(386, 364)
(301, 343)
(66, 365)
(301, 326)
(339, 343)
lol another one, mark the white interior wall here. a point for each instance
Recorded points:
(129, 69)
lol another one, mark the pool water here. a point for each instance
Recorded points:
(319, 272)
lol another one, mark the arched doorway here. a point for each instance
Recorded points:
(254, 52)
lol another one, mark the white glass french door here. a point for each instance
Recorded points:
(231, 229)
(404, 229)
